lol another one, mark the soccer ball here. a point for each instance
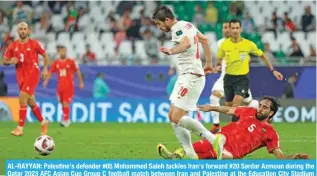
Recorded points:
(44, 145)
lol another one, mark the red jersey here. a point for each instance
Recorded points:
(248, 134)
(65, 73)
(27, 55)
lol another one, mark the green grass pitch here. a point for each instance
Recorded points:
(129, 141)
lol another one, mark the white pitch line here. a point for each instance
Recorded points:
(169, 142)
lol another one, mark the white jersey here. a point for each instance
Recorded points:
(188, 61)
(223, 64)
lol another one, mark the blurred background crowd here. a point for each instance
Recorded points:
(122, 32)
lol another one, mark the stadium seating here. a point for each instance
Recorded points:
(103, 43)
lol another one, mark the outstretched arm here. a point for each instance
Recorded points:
(268, 63)
(280, 155)
(222, 109)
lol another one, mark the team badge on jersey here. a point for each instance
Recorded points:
(178, 33)
(242, 56)
(263, 130)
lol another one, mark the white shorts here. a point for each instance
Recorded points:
(218, 86)
(187, 91)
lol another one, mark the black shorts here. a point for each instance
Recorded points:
(235, 85)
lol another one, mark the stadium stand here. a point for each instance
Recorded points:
(112, 28)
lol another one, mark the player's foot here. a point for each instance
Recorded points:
(218, 145)
(44, 127)
(65, 123)
(17, 132)
(163, 152)
(215, 128)
(179, 154)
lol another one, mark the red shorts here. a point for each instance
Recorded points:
(204, 149)
(65, 95)
(29, 84)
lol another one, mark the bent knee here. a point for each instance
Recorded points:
(177, 115)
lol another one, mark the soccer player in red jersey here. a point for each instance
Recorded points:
(65, 68)
(251, 130)
(23, 53)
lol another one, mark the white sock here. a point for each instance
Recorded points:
(214, 101)
(184, 137)
(197, 128)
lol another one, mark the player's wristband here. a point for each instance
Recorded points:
(273, 70)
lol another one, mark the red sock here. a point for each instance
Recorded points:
(22, 114)
(65, 113)
(36, 111)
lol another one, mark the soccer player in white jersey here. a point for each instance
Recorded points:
(191, 79)
(217, 91)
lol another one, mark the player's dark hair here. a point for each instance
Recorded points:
(162, 12)
(275, 104)
(226, 21)
(235, 21)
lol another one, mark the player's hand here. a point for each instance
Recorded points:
(217, 69)
(301, 156)
(14, 60)
(205, 108)
(165, 50)
(171, 71)
(208, 69)
(278, 75)
(44, 73)
(81, 85)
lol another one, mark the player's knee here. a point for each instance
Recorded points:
(174, 119)
(23, 98)
(170, 114)
(32, 103)
(237, 100)
(176, 116)
(214, 100)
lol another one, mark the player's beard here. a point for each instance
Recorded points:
(23, 37)
(261, 116)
